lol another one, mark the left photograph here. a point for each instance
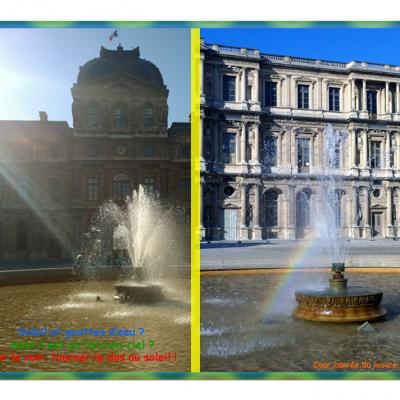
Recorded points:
(95, 200)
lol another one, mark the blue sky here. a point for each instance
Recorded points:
(335, 44)
(39, 66)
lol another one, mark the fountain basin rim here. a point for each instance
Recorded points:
(348, 292)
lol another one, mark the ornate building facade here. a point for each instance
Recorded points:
(264, 120)
(53, 178)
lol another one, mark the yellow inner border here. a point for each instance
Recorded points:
(195, 200)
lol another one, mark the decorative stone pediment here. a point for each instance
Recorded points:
(378, 207)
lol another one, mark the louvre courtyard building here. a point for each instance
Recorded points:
(264, 124)
(53, 177)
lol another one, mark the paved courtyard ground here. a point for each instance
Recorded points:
(296, 254)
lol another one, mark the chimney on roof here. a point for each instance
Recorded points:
(43, 116)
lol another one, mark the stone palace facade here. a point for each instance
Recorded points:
(263, 119)
(53, 177)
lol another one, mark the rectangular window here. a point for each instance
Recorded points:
(55, 189)
(149, 151)
(303, 96)
(93, 188)
(334, 99)
(371, 101)
(149, 185)
(375, 158)
(229, 88)
(270, 94)
(229, 148)
(269, 151)
(303, 154)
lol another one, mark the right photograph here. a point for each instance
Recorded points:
(300, 199)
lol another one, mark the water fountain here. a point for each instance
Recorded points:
(135, 235)
(337, 302)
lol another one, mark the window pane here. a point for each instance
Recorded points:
(229, 88)
(270, 94)
(93, 116)
(93, 188)
(269, 151)
(148, 116)
(302, 96)
(371, 101)
(229, 148)
(120, 117)
(149, 185)
(334, 99)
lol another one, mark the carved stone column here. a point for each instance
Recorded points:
(364, 96)
(398, 151)
(365, 149)
(256, 85)
(257, 231)
(244, 232)
(288, 99)
(243, 86)
(202, 230)
(353, 94)
(217, 91)
(389, 213)
(319, 102)
(243, 144)
(279, 151)
(365, 214)
(387, 151)
(397, 97)
(354, 214)
(216, 144)
(201, 75)
(291, 217)
(387, 109)
(201, 144)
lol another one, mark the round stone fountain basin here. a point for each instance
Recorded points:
(352, 304)
(139, 293)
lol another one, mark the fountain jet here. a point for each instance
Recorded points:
(337, 302)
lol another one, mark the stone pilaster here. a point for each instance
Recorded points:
(365, 215)
(243, 86)
(291, 216)
(202, 229)
(257, 230)
(243, 144)
(364, 95)
(201, 144)
(389, 213)
(244, 231)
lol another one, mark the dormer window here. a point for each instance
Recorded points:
(120, 117)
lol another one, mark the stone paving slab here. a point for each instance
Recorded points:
(296, 254)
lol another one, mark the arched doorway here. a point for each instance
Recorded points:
(271, 213)
(303, 219)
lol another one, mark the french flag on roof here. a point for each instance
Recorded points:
(113, 35)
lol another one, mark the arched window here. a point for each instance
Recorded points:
(271, 208)
(335, 200)
(121, 187)
(120, 116)
(148, 115)
(93, 115)
(303, 208)
(22, 236)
